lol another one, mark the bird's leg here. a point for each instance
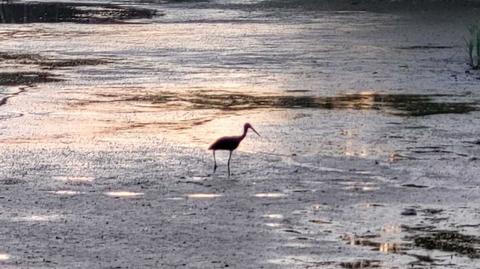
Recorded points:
(214, 162)
(229, 157)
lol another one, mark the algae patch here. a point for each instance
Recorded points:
(25, 78)
(361, 264)
(52, 64)
(48, 62)
(450, 241)
(413, 105)
(57, 12)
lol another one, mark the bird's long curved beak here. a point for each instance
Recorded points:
(255, 131)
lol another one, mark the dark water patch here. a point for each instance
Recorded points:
(56, 12)
(422, 258)
(416, 127)
(468, 225)
(292, 231)
(299, 91)
(361, 264)
(414, 186)
(437, 220)
(26, 78)
(9, 115)
(409, 212)
(435, 151)
(52, 64)
(420, 228)
(318, 221)
(426, 147)
(432, 211)
(476, 142)
(414, 105)
(19, 57)
(450, 241)
(12, 181)
(375, 205)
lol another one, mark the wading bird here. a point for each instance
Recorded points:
(229, 143)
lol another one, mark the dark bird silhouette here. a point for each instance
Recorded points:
(229, 143)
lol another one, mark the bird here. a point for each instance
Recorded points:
(229, 143)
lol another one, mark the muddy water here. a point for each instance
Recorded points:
(368, 155)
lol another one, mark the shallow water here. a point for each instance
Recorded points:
(369, 123)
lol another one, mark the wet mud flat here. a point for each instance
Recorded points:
(134, 206)
(370, 164)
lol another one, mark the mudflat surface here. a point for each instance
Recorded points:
(369, 154)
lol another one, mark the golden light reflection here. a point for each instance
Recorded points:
(389, 247)
(204, 195)
(126, 194)
(392, 229)
(352, 148)
(370, 188)
(273, 216)
(368, 93)
(4, 256)
(38, 218)
(367, 241)
(175, 198)
(273, 225)
(362, 188)
(270, 195)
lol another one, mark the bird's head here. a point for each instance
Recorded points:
(248, 125)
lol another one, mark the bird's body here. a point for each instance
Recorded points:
(229, 143)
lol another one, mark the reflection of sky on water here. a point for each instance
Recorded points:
(124, 194)
(203, 195)
(208, 56)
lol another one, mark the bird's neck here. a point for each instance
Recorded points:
(244, 133)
